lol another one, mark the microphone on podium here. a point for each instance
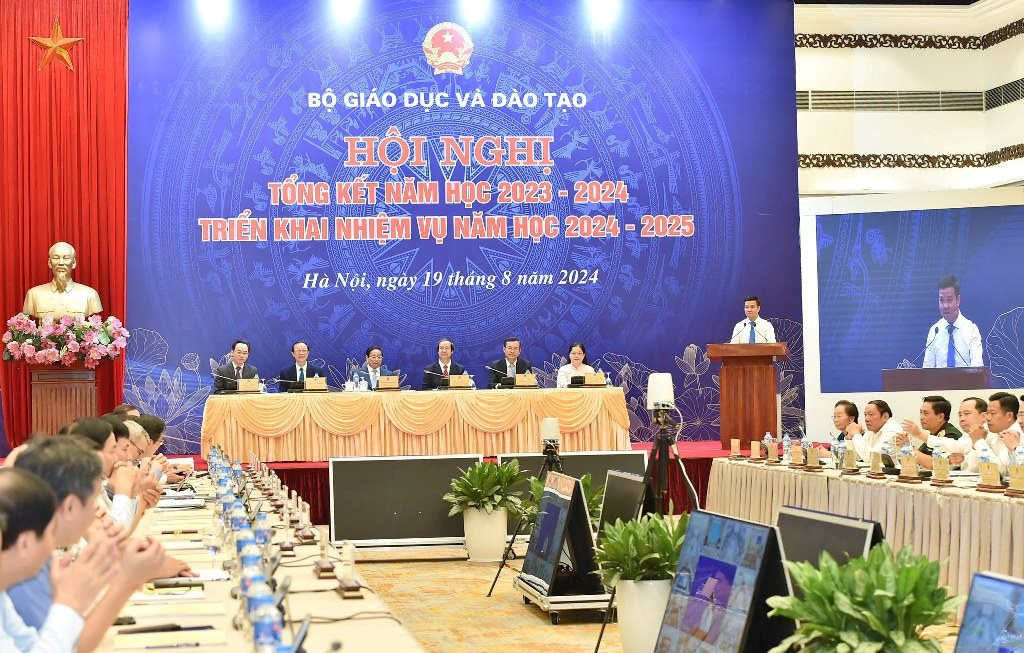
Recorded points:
(935, 334)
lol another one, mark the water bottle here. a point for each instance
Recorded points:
(985, 454)
(251, 555)
(840, 452)
(905, 450)
(259, 595)
(251, 574)
(787, 443)
(262, 530)
(238, 518)
(937, 451)
(266, 629)
(244, 538)
(1017, 457)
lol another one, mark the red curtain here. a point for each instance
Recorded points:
(63, 148)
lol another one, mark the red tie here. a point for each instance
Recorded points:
(445, 370)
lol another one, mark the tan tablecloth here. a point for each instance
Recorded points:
(319, 426)
(967, 531)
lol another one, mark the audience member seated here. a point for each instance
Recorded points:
(74, 473)
(935, 413)
(577, 365)
(374, 368)
(126, 410)
(844, 414)
(1002, 422)
(508, 366)
(27, 506)
(880, 430)
(445, 367)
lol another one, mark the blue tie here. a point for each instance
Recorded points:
(951, 351)
(751, 332)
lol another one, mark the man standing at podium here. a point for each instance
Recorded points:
(953, 341)
(753, 329)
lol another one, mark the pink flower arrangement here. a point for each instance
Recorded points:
(66, 341)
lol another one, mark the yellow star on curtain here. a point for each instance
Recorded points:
(56, 46)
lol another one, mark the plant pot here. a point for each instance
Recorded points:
(641, 608)
(485, 534)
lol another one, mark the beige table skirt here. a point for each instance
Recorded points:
(965, 530)
(315, 427)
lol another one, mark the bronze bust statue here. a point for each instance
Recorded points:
(62, 296)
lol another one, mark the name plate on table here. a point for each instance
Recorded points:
(908, 470)
(316, 383)
(990, 480)
(596, 379)
(773, 453)
(755, 450)
(387, 382)
(850, 463)
(796, 456)
(735, 451)
(459, 381)
(940, 471)
(1016, 488)
(813, 461)
(249, 385)
(876, 465)
(527, 380)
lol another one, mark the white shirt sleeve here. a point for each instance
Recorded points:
(768, 331)
(736, 333)
(122, 509)
(929, 343)
(563, 376)
(59, 633)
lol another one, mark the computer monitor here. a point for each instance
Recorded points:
(994, 615)
(806, 533)
(727, 568)
(621, 496)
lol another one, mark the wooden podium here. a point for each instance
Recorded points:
(61, 394)
(748, 384)
(936, 378)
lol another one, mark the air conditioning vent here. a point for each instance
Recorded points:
(891, 100)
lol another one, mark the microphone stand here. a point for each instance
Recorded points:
(552, 463)
(655, 489)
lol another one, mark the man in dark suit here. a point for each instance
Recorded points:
(373, 368)
(294, 376)
(443, 368)
(225, 375)
(510, 365)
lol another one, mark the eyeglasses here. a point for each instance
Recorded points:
(141, 450)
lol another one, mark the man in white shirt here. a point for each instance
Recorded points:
(881, 429)
(27, 506)
(753, 329)
(1003, 425)
(953, 341)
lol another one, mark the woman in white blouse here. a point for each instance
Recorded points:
(577, 365)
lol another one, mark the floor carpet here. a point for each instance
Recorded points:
(444, 605)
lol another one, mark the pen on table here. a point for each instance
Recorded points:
(178, 645)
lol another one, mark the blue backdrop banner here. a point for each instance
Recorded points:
(878, 277)
(620, 174)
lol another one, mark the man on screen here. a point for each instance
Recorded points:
(508, 366)
(443, 368)
(294, 376)
(953, 341)
(226, 377)
(753, 329)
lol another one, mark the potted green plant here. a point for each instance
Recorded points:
(638, 558)
(881, 602)
(485, 494)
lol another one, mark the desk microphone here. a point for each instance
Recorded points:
(935, 334)
(450, 375)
